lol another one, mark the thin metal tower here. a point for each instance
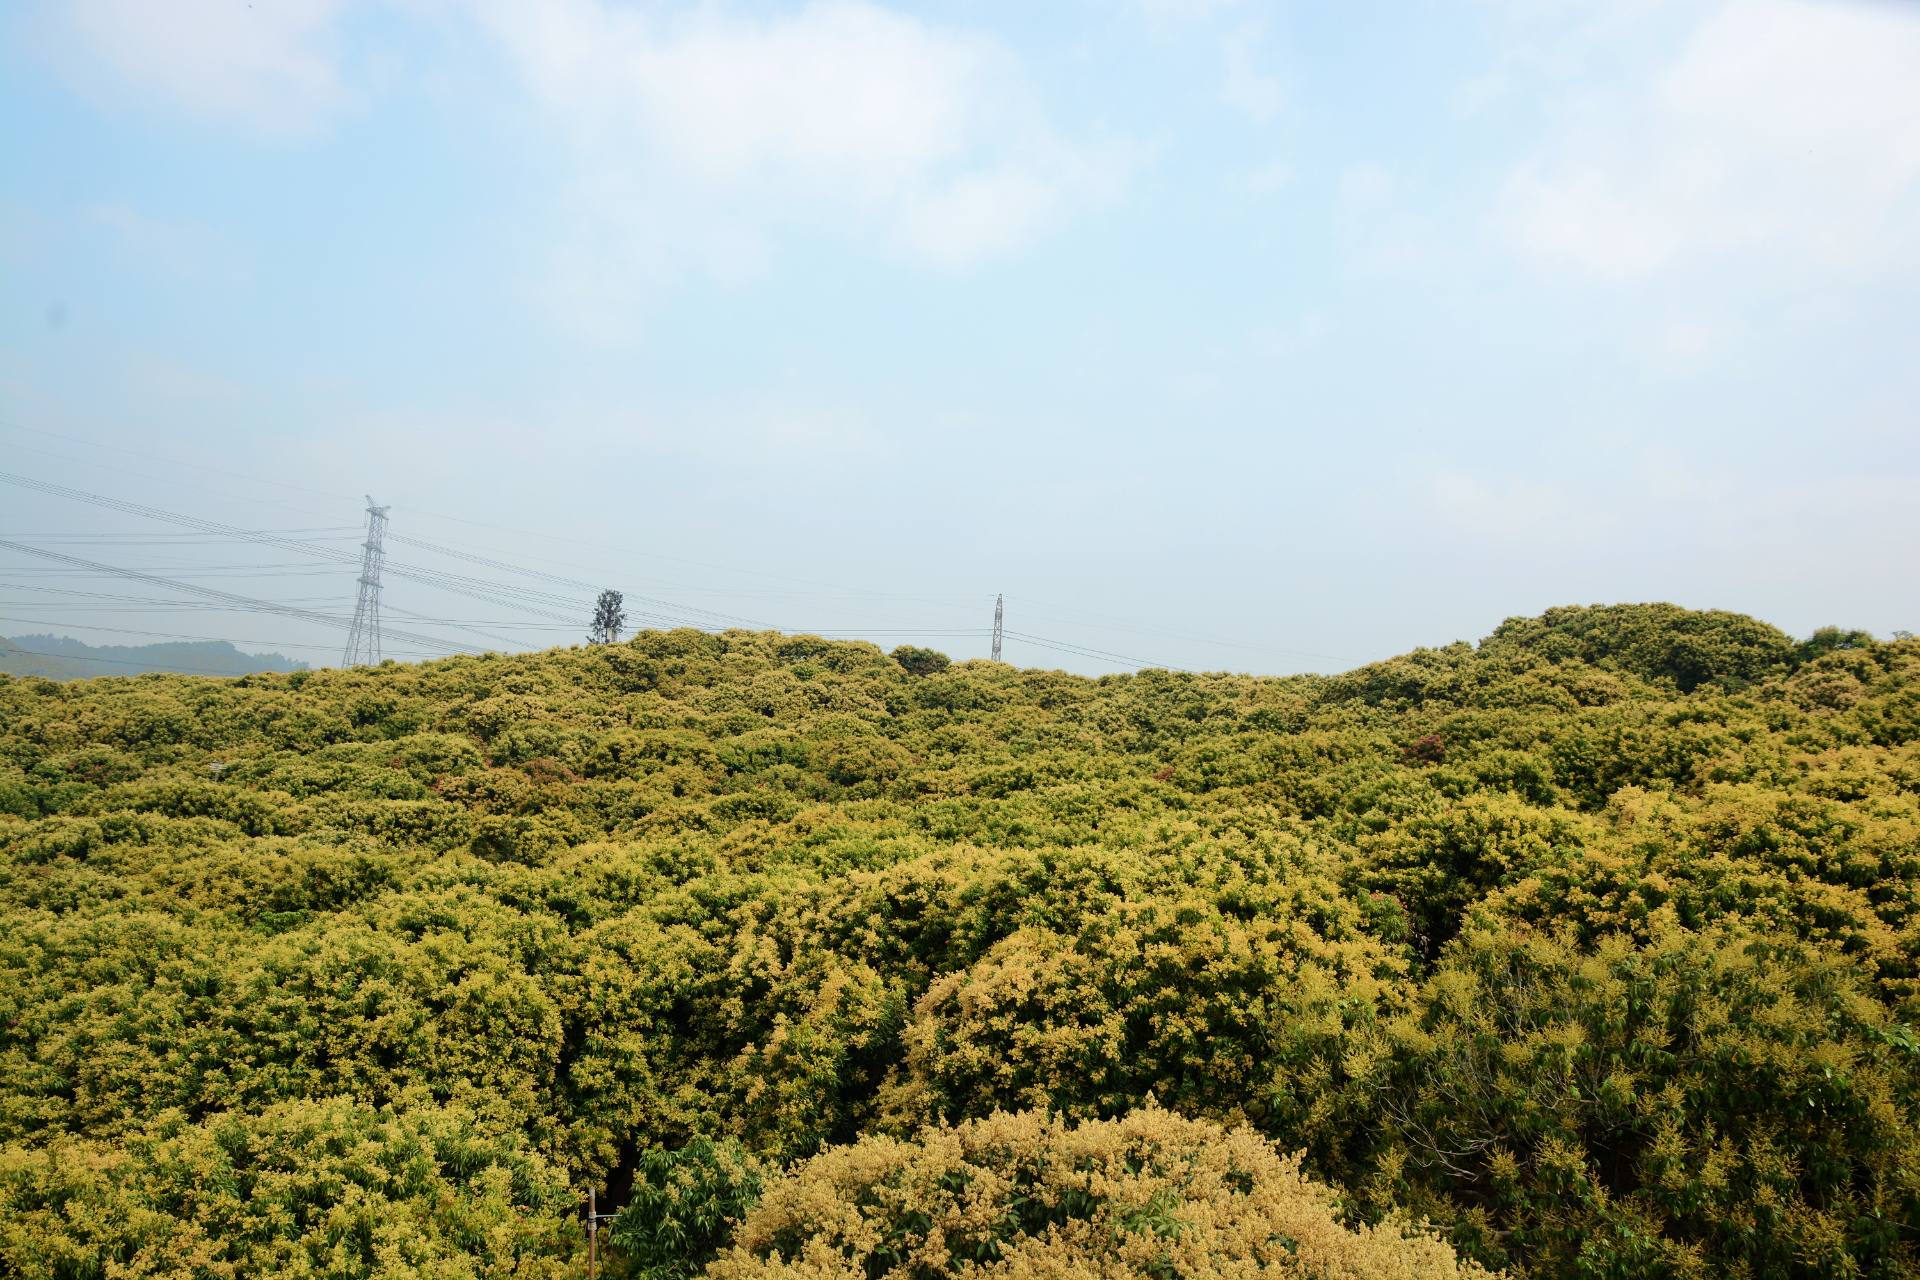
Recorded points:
(363, 641)
(999, 612)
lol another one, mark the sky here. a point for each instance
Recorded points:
(1212, 334)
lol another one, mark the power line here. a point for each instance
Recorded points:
(127, 662)
(137, 602)
(210, 593)
(576, 606)
(521, 598)
(654, 555)
(259, 536)
(253, 479)
(1107, 621)
(542, 574)
(1083, 651)
(537, 602)
(156, 457)
(531, 600)
(181, 539)
(202, 571)
(175, 635)
(146, 474)
(474, 628)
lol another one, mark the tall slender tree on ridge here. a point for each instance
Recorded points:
(609, 618)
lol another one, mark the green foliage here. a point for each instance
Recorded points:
(916, 661)
(685, 1205)
(1178, 1000)
(321, 1188)
(1831, 640)
(1658, 642)
(1598, 943)
(1697, 1105)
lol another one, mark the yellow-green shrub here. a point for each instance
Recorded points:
(1148, 1195)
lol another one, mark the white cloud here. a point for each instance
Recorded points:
(543, 446)
(1587, 218)
(1665, 475)
(1245, 86)
(1508, 509)
(1366, 188)
(1382, 232)
(702, 133)
(1269, 177)
(174, 389)
(1185, 10)
(1686, 343)
(1779, 129)
(979, 215)
(695, 134)
(175, 247)
(1286, 339)
(271, 67)
(841, 90)
(1684, 515)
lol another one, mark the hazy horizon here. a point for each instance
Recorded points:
(1212, 334)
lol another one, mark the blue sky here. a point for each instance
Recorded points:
(1258, 336)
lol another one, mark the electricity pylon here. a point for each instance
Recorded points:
(363, 640)
(999, 611)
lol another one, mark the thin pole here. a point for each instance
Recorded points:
(593, 1236)
(999, 610)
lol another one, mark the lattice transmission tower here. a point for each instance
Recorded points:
(363, 639)
(999, 612)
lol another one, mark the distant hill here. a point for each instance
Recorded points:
(64, 658)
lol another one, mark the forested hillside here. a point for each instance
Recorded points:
(1593, 945)
(64, 658)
